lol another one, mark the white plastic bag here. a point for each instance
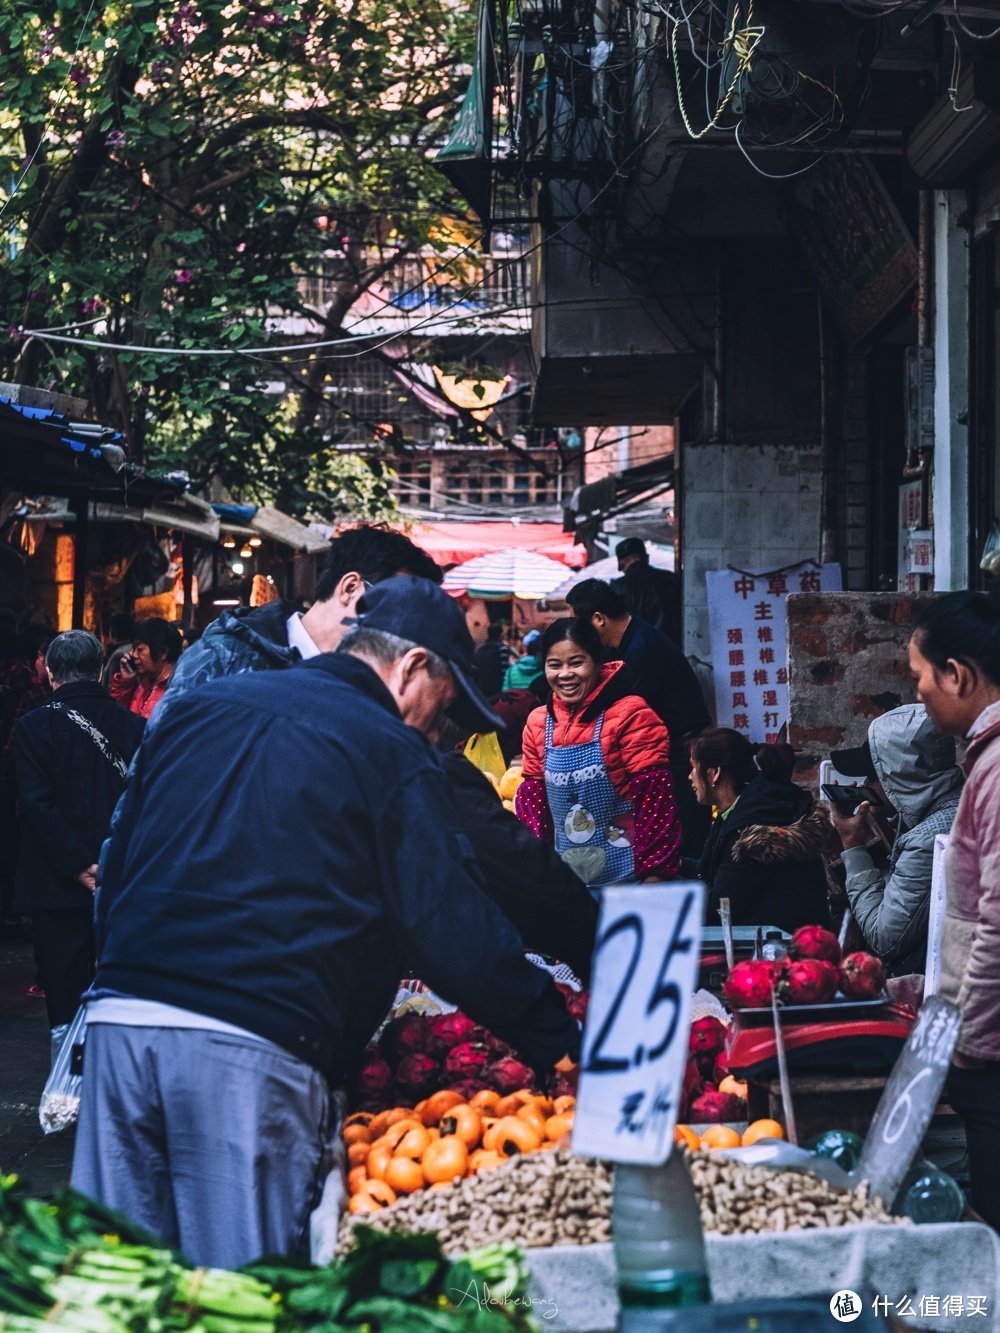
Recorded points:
(60, 1104)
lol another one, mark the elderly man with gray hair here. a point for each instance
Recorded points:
(71, 758)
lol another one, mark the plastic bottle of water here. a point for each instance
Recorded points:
(659, 1246)
(929, 1194)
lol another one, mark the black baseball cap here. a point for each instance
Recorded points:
(855, 762)
(418, 610)
(631, 546)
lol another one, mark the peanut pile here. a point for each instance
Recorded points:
(735, 1198)
(540, 1199)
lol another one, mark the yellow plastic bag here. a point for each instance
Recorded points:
(483, 750)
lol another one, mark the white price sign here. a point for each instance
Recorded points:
(635, 1043)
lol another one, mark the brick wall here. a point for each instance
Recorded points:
(846, 665)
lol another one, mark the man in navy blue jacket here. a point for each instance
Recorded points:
(284, 853)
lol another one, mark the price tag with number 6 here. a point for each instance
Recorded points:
(635, 1044)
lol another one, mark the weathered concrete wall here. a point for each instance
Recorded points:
(754, 507)
(846, 664)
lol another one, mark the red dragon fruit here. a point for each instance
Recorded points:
(577, 1005)
(509, 1075)
(815, 942)
(496, 1049)
(862, 976)
(404, 1036)
(467, 1059)
(807, 981)
(466, 1087)
(713, 1106)
(748, 985)
(374, 1078)
(707, 1036)
(448, 1030)
(417, 1073)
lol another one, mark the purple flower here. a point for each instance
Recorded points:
(136, 203)
(182, 275)
(159, 69)
(79, 77)
(92, 305)
(115, 138)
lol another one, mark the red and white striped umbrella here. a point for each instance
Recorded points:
(511, 573)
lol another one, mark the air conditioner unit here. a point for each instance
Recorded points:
(948, 144)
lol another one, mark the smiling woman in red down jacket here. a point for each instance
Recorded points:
(596, 780)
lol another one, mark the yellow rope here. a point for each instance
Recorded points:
(744, 41)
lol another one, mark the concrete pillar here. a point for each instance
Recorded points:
(951, 391)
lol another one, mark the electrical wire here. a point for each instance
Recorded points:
(976, 36)
(770, 175)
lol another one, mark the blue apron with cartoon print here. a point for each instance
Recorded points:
(593, 822)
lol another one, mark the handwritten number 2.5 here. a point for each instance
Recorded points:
(598, 1062)
(663, 991)
(667, 990)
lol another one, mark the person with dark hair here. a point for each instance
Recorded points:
(597, 767)
(244, 965)
(764, 851)
(121, 633)
(71, 757)
(653, 594)
(277, 635)
(911, 768)
(658, 672)
(492, 660)
(954, 655)
(143, 675)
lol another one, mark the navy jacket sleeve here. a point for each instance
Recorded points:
(455, 937)
(551, 907)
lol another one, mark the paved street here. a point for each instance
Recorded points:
(24, 1056)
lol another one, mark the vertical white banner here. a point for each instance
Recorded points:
(749, 631)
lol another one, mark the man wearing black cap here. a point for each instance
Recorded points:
(653, 594)
(284, 853)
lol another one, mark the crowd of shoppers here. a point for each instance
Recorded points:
(339, 840)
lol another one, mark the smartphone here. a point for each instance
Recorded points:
(850, 798)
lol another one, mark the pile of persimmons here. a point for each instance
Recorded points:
(443, 1139)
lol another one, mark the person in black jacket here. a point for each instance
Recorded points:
(653, 594)
(764, 852)
(554, 911)
(284, 853)
(71, 756)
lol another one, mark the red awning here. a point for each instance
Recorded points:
(451, 543)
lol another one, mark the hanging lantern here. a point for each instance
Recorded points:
(255, 541)
(245, 552)
(229, 541)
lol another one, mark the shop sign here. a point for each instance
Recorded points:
(749, 632)
(635, 1044)
(909, 1099)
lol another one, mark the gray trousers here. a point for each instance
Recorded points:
(216, 1143)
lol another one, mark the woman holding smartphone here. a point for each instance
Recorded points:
(144, 674)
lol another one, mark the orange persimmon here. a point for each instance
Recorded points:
(438, 1104)
(463, 1121)
(445, 1159)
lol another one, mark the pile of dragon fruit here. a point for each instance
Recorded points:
(418, 1054)
(812, 973)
